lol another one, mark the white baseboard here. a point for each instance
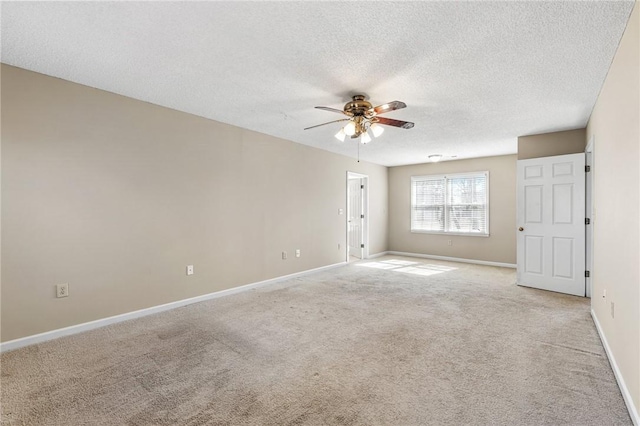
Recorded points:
(79, 328)
(626, 395)
(373, 256)
(453, 259)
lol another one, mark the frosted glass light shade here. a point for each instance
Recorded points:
(377, 129)
(340, 135)
(350, 129)
(365, 138)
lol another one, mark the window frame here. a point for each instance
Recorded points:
(445, 177)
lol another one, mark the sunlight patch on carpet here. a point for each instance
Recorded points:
(408, 267)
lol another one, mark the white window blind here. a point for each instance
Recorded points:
(455, 203)
(428, 204)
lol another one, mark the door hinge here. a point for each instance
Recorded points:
(587, 221)
(587, 169)
(361, 216)
(587, 274)
(361, 245)
(361, 186)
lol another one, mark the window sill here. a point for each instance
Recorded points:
(457, 234)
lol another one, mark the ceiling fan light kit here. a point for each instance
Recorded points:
(435, 158)
(364, 121)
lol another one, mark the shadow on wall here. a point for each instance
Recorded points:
(408, 267)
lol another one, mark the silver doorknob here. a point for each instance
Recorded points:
(521, 229)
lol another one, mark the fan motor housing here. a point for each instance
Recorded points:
(358, 106)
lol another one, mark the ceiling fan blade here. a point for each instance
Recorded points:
(334, 121)
(395, 123)
(339, 111)
(391, 106)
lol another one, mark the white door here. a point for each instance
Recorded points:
(551, 217)
(354, 210)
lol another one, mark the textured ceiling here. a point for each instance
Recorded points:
(474, 75)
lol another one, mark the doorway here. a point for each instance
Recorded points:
(357, 217)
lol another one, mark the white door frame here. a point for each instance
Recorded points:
(589, 213)
(365, 211)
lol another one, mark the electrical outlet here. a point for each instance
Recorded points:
(189, 269)
(449, 243)
(284, 255)
(338, 246)
(613, 306)
(62, 290)
(297, 252)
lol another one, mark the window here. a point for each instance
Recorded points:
(452, 204)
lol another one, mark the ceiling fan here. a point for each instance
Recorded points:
(364, 120)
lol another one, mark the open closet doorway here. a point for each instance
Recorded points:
(357, 216)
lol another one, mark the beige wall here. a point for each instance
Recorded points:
(500, 246)
(550, 144)
(116, 196)
(615, 124)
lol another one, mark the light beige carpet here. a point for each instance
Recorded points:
(393, 341)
